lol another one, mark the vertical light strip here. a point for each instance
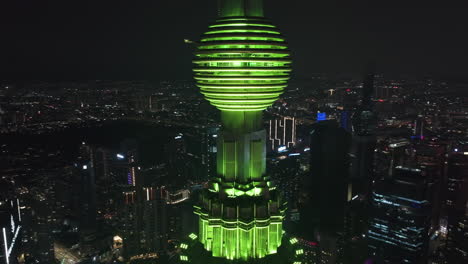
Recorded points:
(284, 132)
(294, 131)
(7, 256)
(276, 130)
(271, 139)
(350, 191)
(19, 209)
(13, 241)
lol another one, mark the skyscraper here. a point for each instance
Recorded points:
(401, 217)
(364, 140)
(86, 190)
(326, 188)
(457, 205)
(242, 65)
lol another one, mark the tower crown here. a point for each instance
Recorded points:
(242, 63)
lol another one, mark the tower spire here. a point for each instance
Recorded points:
(240, 8)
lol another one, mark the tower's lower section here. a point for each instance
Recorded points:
(192, 251)
(240, 227)
(241, 213)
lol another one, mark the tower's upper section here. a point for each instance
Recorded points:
(242, 62)
(239, 8)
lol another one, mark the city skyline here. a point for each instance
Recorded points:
(306, 132)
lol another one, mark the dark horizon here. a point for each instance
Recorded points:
(109, 40)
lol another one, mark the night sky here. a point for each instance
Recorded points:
(143, 39)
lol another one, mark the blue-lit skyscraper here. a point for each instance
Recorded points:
(400, 218)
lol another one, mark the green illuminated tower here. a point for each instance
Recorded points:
(241, 65)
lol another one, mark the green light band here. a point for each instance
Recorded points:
(259, 88)
(241, 110)
(241, 101)
(242, 46)
(242, 60)
(243, 94)
(249, 19)
(242, 78)
(241, 25)
(229, 31)
(242, 70)
(243, 54)
(250, 38)
(241, 107)
(240, 74)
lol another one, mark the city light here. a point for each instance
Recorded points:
(115, 147)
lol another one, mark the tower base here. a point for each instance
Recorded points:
(192, 252)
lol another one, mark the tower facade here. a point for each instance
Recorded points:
(242, 65)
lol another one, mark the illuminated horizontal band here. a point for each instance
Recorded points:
(240, 100)
(241, 70)
(241, 46)
(230, 31)
(241, 38)
(229, 100)
(241, 25)
(242, 107)
(225, 52)
(241, 94)
(241, 110)
(241, 55)
(242, 60)
(259, 87)
(273, 218)
(248, 19)
(241, 74)
(243, 78)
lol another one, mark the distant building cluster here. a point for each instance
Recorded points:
(371, 171)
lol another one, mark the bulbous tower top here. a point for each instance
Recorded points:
(242, 63)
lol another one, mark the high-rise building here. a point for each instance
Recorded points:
(150, 222)
(326, 187)
(242, 65)
(282, 132)
(364, 140)
(400, 217)
(85, 189)
(457, 205)
(418, 127)
(38, 222)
